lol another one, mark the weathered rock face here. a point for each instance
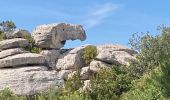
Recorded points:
(51, 56)
(115, 54)
(18, 33)
(22, 59)
(13, 43)
(29, 80)
(97, 65)
(71, 59)
(55, 35)
(10, 52)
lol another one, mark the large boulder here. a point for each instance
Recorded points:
(115, 54)
(22, 59)
(18, 33)
(55, 35)
(13, 43)
(29, 80)
(51, 57)
(10, 52)
(97, 65)
(71, 59)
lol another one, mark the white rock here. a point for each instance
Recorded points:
(72, 59)
(10, 52)
(13, 43)
(97, 65)
(18, 33)
(55, 35)
(85, 73)
(29, 80)
(22, 59)
(64, 74)
(115, 54)
(51, 57)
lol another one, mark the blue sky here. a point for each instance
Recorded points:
(105, 21)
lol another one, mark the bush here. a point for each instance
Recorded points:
(32, 47)
(6, 94)
(109, 84)
(1, 36)
(153, 50)
(89, 53)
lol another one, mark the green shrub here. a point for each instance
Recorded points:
(89, 53)
(152, 86)
(153, 50)
(109, 84)
(32, 47)
(1, 36)
(6, 94)
(74, 83)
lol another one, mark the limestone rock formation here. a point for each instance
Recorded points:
(97, 65)
(13, 43)
(29, 80)
(51, 57)
(10, 52)
(18, 33)
(115, 54)
(55, 35)
(71, 59)
(22, 59)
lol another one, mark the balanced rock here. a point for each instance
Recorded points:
(55, 35)
(29, 80)
(18, 33)
(13, 43)
(51, 56)
(22, 59)
(10, 52)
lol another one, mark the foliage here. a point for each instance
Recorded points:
(152, 86)
(153, 50)
(1, 36)
(32, 47)
(6, 94)
(74, 83)
(6, 26)
(109, 84)
(89, 53)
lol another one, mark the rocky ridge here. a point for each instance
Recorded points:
(27, 73)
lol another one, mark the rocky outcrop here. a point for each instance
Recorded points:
(115, 54)
(10, 52)
(28, 73)
(29, 80)
(55, 35)
(18, 33)
(71, 59)
(13, 43)
(51, 57)
(22, 59)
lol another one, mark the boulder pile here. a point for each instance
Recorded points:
(27, 73)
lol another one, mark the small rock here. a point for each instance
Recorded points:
(18, 33)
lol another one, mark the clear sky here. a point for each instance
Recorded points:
(105, 21)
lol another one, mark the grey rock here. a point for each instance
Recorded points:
(97, 65)
(115, 54)
(13, 43)
(64, 74)
(55, 35)
(18, 33)
(22, 59)
(10, 52)
(51, 57)
(29, 80)
(71, 59)
(85, 73)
